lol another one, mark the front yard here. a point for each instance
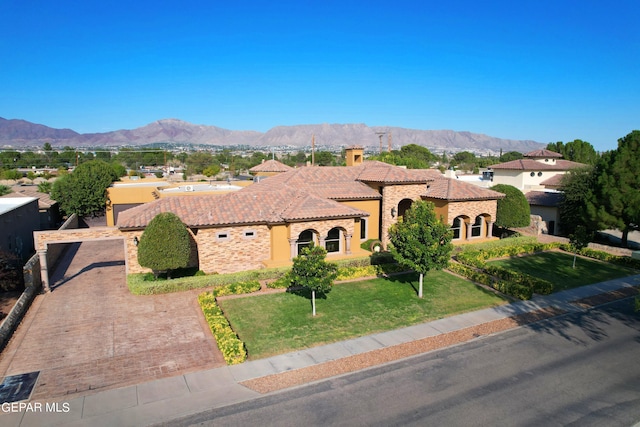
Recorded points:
(557, 268)
(280, 323)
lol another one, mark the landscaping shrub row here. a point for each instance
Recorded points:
(513, 283)
(623, 261)
(514, 289)
(232, 348)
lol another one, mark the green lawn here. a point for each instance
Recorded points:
(279, 323)
(556, 267)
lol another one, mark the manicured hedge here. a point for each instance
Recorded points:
(232, 348)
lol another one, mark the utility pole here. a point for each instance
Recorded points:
(389, 142)
(313, 149)
(380, 135)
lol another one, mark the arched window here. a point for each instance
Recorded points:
(457, 228)
(403, 206)
(305, 239)
(476, 228)
(332, 241)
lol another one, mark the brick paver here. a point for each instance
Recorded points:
(90, 333)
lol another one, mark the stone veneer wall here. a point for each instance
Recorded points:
(472, 209)
(392, 195)
(236, 253)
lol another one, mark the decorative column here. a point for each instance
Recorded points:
(348, 243)
(469, 229)
(489, 228)
(292, 244)
(44, 270)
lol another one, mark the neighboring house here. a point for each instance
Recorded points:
(48, 209)
(538, 175)
(545, 204)
(19, 218)
(129, 193)
(267, 224)
(531, 172)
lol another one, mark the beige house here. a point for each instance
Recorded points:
(340, 208)
(531, 172)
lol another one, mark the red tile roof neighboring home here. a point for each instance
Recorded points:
(543, 198)
(284, 205)
(534, 165)
(553, 182)
(44, 199)
(270, 166)
(455, 190)
(543, 154)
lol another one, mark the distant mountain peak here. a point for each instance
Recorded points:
(20, 133)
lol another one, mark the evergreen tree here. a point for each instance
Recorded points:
(576, 187)
(513, 209)
(165, 244)
(615, 201)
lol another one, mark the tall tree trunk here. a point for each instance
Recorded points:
(420, 287)
(313, 302)
(625, 236)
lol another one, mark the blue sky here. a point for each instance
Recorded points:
(541, 70)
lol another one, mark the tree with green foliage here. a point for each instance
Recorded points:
(45, 187)
(324, 158)
(615, 201)
(198, 162)
(165, 244)
(577, 151)
(579, 240)
(420, 241)
(576, 187)
(311, 271)
(84, 191)
(510, 155)
(513, 210)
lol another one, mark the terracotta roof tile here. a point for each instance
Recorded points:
(271, 166)
(543, 198)
(543, 153)
(554, 181)
(456, 190)
(534, 165)
(240, 207)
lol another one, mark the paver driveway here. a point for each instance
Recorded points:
(90, 333)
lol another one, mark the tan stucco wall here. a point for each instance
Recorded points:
(373, 220)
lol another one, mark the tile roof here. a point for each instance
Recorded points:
(554, 181)
(456, 190)
(44, 200)
(543, 198)
(270, 166)
(534, 165)
(270, 207)
(544, 153)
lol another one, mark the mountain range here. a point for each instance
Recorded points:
(21, 134)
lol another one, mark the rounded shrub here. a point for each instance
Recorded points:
(513, 209)
(165, 244)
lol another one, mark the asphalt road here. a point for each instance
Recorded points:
(579, 369)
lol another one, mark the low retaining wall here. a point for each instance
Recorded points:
(33, 286)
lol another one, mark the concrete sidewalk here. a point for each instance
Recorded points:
(170, 398)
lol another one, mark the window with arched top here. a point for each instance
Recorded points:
(305, 239)
(332, 241)
(457, 228)
(476, 228)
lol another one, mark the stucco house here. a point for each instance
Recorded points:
(531, 172)
(267, 223)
